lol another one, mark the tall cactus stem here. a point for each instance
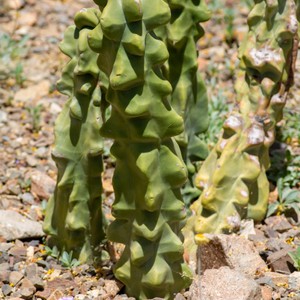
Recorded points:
(148, 208)
(74, 216)
(189, 96)
(233, 177)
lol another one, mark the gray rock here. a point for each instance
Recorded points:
(27, 289)
(26, 293)
(282, 226)
(38, 283)
(4, 276)
(265, 280)
(41, 184)
(31, 271)
(18, 251)
(27, 198)
(6, 289)
(121, 297)
(247, 228)
(277, 279)
(274, 244)
(294, 281)
(179, 297)
(9, 201)
(4, 247)
(229, 250)
(271, 233)
(266, 292)
(31, 161)
(13, 187)
(224, 284)
(4, 267)
(3, 117)
(281, 262)
(15, 277)
(278, 223)
(41, 152)
(15, 226)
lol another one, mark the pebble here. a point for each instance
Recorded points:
(31, 161)
(27, 198)
(294, 281)
(15, 4)
(280, 261)
(3, 117)
(93, 293)
(15, 226)
(4, 267)
(6, 289)
(27, 293)
(4, 247)
(41, 152)
(15, 277)
(31, 271)
(18, 251)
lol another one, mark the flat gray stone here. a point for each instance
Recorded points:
(294, 281)
(281, 262)
(15, 226)
(15, 277)
(224, 284)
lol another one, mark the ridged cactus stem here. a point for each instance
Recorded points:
(233, 177)
(189, 96)
(148, 208)
(74, 215)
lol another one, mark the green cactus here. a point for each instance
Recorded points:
(233, 177)
(189, 97)
(74, 215)
(149, 172)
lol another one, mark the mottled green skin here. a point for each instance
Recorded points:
(233, 177)
(74, 214)
(148, 207)
(189, 96)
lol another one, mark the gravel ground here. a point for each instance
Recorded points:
(29, 106)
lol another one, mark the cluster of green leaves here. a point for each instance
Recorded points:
(11, 53)
(295, 256)
(217, 111)
(291, 130)
(285, 167)
(35, 114)
(288, 201)
(65, 258)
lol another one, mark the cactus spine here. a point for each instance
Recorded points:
(74, 214)
(189, 97)
(233, 177)
(148, 207)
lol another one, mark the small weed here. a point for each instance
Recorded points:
(284, 164)
(35, 113)
(217, 111)
(18, 74)
(68, 261)
(25, 184)
(229, 30)
(65, 258)
(288, 200)
(52, 252)
(44, 206)
(11, 52)
(295, 256)
(290, 132)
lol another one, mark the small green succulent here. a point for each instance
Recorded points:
(288, 200)
(295, 256)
